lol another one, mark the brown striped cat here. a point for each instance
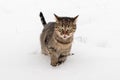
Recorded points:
(57, 37)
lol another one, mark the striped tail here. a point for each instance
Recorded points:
(42, 19)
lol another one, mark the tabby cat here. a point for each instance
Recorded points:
(56, 38)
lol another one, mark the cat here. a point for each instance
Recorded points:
(57, 37)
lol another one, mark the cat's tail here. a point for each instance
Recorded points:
(42, 19)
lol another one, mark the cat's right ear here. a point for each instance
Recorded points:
(75, 19)
(56, 17)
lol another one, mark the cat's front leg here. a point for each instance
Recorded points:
(54, 56)
(54, 59)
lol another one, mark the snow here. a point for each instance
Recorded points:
(96, 41)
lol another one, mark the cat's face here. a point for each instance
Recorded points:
(65, 26)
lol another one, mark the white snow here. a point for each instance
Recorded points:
(96, 42)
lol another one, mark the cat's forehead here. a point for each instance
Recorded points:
(65, 19)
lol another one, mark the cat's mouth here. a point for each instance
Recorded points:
(65, 36)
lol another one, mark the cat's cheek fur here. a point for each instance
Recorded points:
(58, 33)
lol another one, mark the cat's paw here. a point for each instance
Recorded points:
(60, 62)
(54, 64)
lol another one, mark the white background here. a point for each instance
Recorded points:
(96, 42)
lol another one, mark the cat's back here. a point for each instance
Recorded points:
(49, 27)
(47, 32)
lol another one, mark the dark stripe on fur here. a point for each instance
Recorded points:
(42, 19)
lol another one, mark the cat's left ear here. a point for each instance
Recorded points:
(75, 19)
(56, 17)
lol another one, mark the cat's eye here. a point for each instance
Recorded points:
(70, 30)
(60, 29)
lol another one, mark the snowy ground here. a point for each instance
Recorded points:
(96, 42)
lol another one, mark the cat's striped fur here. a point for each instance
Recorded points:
(56, 38)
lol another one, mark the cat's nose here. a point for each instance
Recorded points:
(64, 36)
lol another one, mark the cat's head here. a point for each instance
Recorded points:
(65, 26)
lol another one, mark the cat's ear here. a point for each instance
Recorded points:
(56, 17)
(75, 19)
